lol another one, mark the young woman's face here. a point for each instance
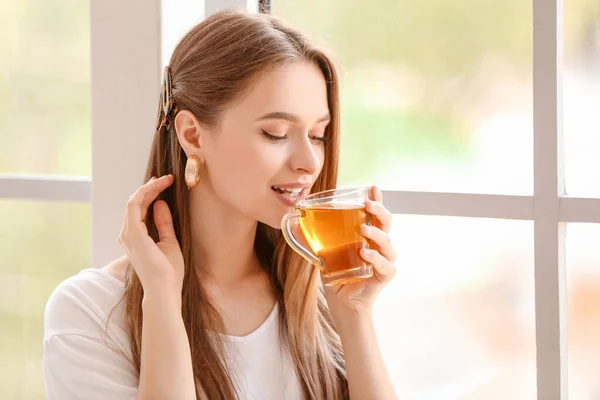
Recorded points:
(269, 148)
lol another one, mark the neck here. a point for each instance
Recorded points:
(222, 240)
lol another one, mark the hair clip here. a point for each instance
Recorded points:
(168, 107)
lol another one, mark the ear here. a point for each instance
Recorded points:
(190, 133)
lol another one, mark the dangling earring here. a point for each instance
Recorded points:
(192, 171)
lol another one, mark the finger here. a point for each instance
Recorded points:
(164, 222)
(383, 269)
(140, 193)
(134, 226)
(138, 203)
(381, 240)
(375, 194)
(155, 187)
(383, 218)
(135, 240)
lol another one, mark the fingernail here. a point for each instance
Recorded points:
(367, 252)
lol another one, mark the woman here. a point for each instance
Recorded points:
(208, 301)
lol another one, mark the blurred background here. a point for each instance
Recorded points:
(437, 96)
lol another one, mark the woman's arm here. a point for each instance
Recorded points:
(166, 363)
(367, 374)
(351, 308)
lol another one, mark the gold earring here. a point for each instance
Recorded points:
(192, 171)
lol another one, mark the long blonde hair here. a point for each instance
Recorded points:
(213, 64)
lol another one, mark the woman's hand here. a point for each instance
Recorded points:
(359, 296)
(351, 308)
(159, 266)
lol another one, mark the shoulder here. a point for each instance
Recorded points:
(82, 304)
(87, 352)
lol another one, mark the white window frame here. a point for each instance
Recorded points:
(126, 71)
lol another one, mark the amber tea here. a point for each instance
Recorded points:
(331, 226)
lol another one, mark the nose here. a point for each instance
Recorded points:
(305, 157)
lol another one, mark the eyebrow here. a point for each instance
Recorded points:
(289, 117)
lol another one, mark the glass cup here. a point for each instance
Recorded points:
(330, 222)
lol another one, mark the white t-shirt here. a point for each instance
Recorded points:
(84, 358)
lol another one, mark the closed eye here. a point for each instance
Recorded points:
(319, 135)
(273, 138)
(276, 138)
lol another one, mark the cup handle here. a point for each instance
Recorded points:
(291, 240)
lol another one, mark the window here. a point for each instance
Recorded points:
(583, 312)
(45, 87)
(582, 97)
(458, 322)
(459, 106)
(450, 99)
(437, 96)
(42, 244)
(45, 155)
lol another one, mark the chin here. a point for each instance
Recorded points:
(273, 219)
(271, 213)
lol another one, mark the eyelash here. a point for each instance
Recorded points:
(274, 138)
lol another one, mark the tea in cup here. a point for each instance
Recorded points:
(330, 222)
